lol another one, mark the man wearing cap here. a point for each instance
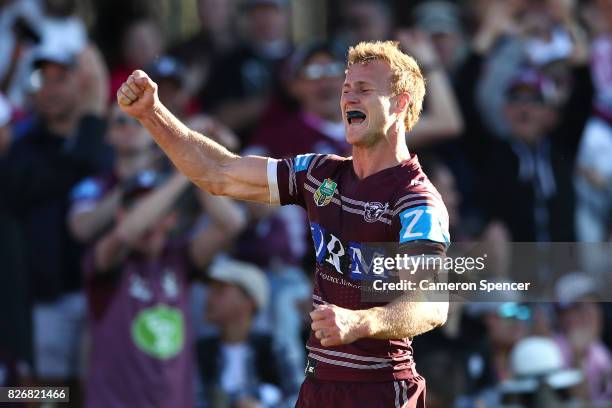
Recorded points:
(137, 283)
(65, 144)
(237, 365)
(537, 201)
(316, 73)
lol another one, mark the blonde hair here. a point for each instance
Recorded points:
(405, 73)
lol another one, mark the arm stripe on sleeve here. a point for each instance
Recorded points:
(273, 182)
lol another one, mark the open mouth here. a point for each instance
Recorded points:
(355, 117)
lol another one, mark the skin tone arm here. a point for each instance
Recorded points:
(85, 224)
(226, 222)
(443, 120)
(115, 246)
(208, 164)
(406, 317)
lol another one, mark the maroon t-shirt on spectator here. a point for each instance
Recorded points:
(141, 340)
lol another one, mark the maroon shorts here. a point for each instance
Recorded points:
(339, 394)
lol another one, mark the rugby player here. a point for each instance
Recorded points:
(359, 353)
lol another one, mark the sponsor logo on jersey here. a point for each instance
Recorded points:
(325, 192)
(373, 211)
(352, 259)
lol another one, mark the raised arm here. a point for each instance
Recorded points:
(205, 162)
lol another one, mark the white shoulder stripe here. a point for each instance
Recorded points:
(273, 182)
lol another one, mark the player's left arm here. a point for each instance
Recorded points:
(422, 229)
(409, 315)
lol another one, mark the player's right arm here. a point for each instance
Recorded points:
(205, 162)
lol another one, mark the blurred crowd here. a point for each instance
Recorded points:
(121, 280)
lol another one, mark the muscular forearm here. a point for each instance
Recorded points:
(402, 319)
(208, 164)
(198, 157)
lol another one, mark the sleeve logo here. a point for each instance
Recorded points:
(324, 193)
(423, 223)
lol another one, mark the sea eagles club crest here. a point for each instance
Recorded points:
(373, 211)
(325, 192)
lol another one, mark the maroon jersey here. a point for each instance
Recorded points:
(397, 204)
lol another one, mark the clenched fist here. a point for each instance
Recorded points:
(138, 95)
(334, 325)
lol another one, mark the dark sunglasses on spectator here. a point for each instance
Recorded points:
(318, 71)
(513, 310)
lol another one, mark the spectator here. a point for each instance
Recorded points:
(441, 20)
(241, 81)
(141, 42)
(240, 368)
(317, 125)
(28, 25)
(441, 119)
(137, 284)
(170, 76)
(580, 331)
(96, 199)
(505, 324)
(539, 379)
(594, 179)
(216, 36)
(530, 165)
(365, 20)
(517, 33)
(65, 145)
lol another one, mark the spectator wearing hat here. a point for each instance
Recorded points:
(537, 198)
(171, 75)
(580, 324)
(238, 367)
(539, 377)
(316, 73)
(65, 144)
(137, 282)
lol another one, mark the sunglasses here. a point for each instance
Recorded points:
(318, 71)
(513, 310)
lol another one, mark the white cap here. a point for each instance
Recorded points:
(5, 111)
(573, 286)
(245, 275)
(535, 359)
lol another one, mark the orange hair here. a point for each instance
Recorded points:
(406, 77)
